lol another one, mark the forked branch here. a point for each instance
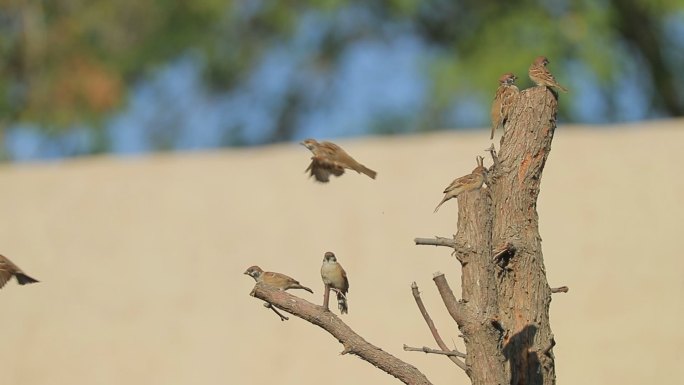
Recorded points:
(352, 342)
(452, 354)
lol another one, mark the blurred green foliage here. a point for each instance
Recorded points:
(67, 62)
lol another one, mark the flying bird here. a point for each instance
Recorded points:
(9, 270)
(504, 100)
(470, 182)
(541, 76)
(276, 280)
(329, 158)
(335, 279)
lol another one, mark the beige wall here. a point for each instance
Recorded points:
(141, 260)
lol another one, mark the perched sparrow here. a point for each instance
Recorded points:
(504, 100)
(541, 76)
(328, 158)
(335, 278)
(277, 280)
(9, 269)
(470, 182)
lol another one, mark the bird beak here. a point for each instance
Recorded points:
(246, 273)
(303, 144)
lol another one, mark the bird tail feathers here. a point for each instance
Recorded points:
(23, 279)
(342, 303)
(440, 204)
(372, 174)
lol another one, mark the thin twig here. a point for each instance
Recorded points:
(433, 329)
(436, 241)
(269, 306)
(425, 349)
(352, 342)
(492, 152)
(562, 289)
(460, 251)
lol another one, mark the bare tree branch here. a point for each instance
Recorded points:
(562, 289)
(269, 306)
(436, 241)
(433, 330)
(461, 251)
(456, 309)
(487, 332)
(425, 349)
(352, 342)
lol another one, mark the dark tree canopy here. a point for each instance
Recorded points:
(67, 63)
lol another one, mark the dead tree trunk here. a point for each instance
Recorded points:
(523, 291)
(504, 311)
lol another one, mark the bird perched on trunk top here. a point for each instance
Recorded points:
(504, 100)
(470, 182)
(541, 76)
(9, 269)
(335, 278)
(329, 158)
(276, 280)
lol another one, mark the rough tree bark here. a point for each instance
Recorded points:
(504, 311)
(523, 291)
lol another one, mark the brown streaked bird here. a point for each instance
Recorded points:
(276, 280)
(470, 182)
(541, 76)
(335, 278)
(9, 269)
(329, 158)
(504, 100)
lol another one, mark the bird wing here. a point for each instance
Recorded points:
(7, 269)
(457, 183)
(4, 277)
(465, 182)
(345, 284)
(497, 105)
(330, 148)
(508, 100)
(278, 279)
(537, 71)
(342, 158)
(334, 153)
(321, 168)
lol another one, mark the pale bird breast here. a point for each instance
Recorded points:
(331, 273)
